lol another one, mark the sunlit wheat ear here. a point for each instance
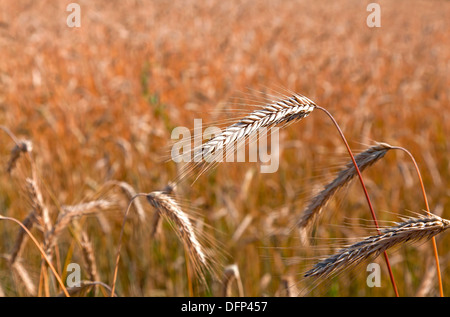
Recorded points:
(169, 209)
(316, 205)
(408, 231)
(283, 111)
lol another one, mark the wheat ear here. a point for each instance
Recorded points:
(37, 203)
(289, 109)
(168, 208)
(283, 111)
(345, 176)
(410, 230)
(89, 256)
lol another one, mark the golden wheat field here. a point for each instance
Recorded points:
(87, 116)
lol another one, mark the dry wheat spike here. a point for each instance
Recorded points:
(316, 205)
(410, 230)
(283, 111)
(286, 110)
(168, 208)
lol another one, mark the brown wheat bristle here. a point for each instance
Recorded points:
(316, 205)
(410, 230)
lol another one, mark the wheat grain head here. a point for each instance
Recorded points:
(410, 230)
(345, 176)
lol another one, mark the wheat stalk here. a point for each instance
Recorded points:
(289, 289)
(427, 283)
(129, 191)
(345, 176)
(410, 230)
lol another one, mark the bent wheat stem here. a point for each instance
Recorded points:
(433, 239)
(365, 193)
(52, 268)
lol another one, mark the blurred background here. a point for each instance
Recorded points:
(99, 103)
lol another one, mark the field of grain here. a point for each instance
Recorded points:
(97, 105)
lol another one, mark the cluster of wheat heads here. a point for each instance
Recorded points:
(291, 109)
(410, 230)
(280, 112)
(356, 253)
(51, 221)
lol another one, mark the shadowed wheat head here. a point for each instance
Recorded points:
(410, 230)
(345, 176)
